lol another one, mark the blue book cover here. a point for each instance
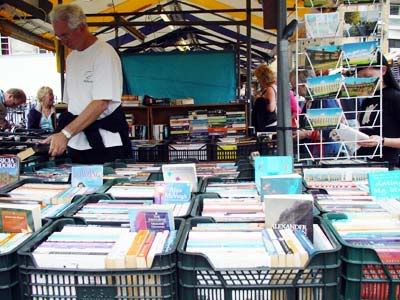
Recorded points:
(271, 165)
(384, 185)
(172, 192)
(87, 176)
(151, 219)
(281, 184)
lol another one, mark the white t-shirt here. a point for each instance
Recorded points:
(93, 74)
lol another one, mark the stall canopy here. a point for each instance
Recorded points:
(139, 26)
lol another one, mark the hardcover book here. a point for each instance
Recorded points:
(289, 211)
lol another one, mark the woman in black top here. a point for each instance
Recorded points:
(369, 115)
(264, 107)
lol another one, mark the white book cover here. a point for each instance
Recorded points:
(181, 172)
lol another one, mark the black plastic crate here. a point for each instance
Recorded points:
(364, 275)
(9, 269)
(158, 282)
(198, 279)
(150, 153)
(178, 153)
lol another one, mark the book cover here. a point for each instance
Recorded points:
(281, 184)
(181, 172)
(271, 165)
(9, 169)
(151, 219)
(20, 218)
(87, 176)
(172, 192)
(289, 211)
(384, 185)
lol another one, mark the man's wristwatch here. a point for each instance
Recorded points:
(66, 133)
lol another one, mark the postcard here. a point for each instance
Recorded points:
(320, 3)
(360, 54)
(324, 117)
(324, 86)
(358, 87)
(322, 25)
(324, 57)
(359, 1)
(361, 23)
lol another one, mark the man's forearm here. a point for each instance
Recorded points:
(87, 116)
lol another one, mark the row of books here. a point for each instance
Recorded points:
(251, 245)
(100, 248)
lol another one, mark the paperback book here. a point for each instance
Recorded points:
(151, 219)
(87, 176)
(281, 184)
(289, 211)
(9, 169)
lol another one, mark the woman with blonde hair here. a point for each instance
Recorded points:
(43, 115)
(264, 108)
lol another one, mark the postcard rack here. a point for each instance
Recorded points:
(339, 38)
(364, 275)
(199, 279)
(158, 282)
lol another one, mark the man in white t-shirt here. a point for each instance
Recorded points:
(94, 130)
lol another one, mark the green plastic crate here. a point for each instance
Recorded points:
(364, 275)
(158, 282)
(199, 280)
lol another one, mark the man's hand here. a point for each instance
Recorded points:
(58, 144)
(373, 141)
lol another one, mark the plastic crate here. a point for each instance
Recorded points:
(9, 270)
(198, 279)
(159, 282)
(364, 275)
(150, 153)
(179, 153)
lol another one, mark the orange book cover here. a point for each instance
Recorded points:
(141, 257)
(137, 244)
(15, 221)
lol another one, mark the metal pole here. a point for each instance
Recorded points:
(248, 61)
(285, 141)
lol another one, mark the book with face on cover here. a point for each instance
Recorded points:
(87, 176)
(289, 211)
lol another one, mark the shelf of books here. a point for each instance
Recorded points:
(70, 260)
(335, 40)
(229, 261)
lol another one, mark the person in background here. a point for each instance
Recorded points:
(264, 106)
(369, 118)
(12, 98)
(94, 129)
(43, 115)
